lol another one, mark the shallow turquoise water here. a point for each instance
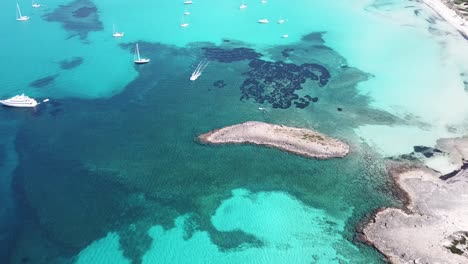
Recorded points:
(109, 171)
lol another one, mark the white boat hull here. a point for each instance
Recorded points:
(141, 61)
(5, 103)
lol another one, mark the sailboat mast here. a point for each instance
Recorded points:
(138, 51)
(18, 9)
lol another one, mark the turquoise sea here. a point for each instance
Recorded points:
(109, 170)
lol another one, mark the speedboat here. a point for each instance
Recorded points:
(20, 101)
(281, 21)
(243, 6)
(263, 21)
(186, 13)
(184, 25)
(188, 2)
(285, 36)
(264, 1)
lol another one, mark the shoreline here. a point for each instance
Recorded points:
(433, 222)
(299, 141)
(450, 15)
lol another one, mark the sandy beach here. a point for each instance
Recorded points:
(300, 141)
(450, 15)
(433, 226)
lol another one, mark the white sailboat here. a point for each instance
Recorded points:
(243, 5)
(116, 33)
(35, 5)
(19, 16)
(136, 57)
(184, 24)
(281, 20)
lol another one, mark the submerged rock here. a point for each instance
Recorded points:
(277, 82)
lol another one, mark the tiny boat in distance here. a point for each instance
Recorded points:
(188, 2)
(116, 34)
(184, 24)
(281, 20)
(35, 5)
(19, 101)
(186, 13)
(285, 36)
(138, 59)
(263, 21)
(264, 1)
(19, 16)
(243, 5)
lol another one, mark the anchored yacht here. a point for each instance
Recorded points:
(19, 101)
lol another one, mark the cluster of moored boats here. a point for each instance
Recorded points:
(25, 101)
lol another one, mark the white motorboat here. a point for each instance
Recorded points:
(19, 16)
(264, 1)
(263, 21)
(285, 36)
(186, 13)
(116, 33)
(20, 101)
(188, 2)
(136, 57)
(281, 20)
(199, 69)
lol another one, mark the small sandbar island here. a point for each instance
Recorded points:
(299, 141)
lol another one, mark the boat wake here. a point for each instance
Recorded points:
(198, 71)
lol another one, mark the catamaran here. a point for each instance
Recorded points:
(263, 21)
(19, 101)
(115, 33)
(20, 17)
(136, 57)
(35, 5)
